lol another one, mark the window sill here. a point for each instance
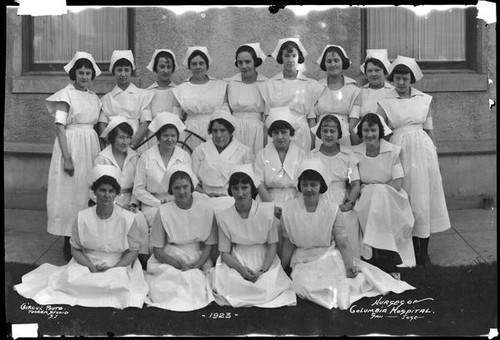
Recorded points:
(51, 83)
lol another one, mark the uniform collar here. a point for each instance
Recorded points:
(387, 85)
(155, 155)
(300, 76)
(209, 78)
(155, 85)
(347, 80)
(108, 153)
(72, 87)
(385, 146)
(237, 77)
(413, 92)
(130, 89)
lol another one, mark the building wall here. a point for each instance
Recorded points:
(463, 123)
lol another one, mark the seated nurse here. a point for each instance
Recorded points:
(182, 236)
(104, 270)
(317, 249)
(248, 271)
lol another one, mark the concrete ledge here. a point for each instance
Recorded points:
(30, 148)
(466, 147)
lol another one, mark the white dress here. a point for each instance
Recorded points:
(246, 239)
(318, 270)
(247, 105)
(133, 103)
(278, 178)
(163, 101)
(103, 241)
(106, 157)
(368, 99)
(423, 183)
(67, 195)
(179, 233)
(199, 101)
(384, 213)
(299, 95)
(338, 167)
(148, 188)
(340, 103)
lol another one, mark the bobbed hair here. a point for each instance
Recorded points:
(280, 125)
(106, 180)
(164, 128)
(243, 178)
(345, 61)
(179, 175)
(256, 60)
(401, 69)
(329, 118)
(221, 121)
(79, 64)
(125, 127)
(312, 175)
(198, 53)
(166, 55)
(287, 46)
(123, 62)
(371, 119)
(375, 62)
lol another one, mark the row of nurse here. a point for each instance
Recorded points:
(105, 270)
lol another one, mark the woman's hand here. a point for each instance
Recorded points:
(101, 268)
(277, 212)
(214, 194)
(352, 272)
(346, 206)
(185, 266)
(248, 274)
(131, 207)
(68, 166)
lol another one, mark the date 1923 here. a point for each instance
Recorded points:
(220, 315)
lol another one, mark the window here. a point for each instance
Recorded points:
(442, 39)
(51, 41)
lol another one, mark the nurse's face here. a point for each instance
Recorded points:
(198, 66)
(105, 195)
(281, 138)
(164, 69)
(83, 77)
(181, 189)
(121, 142)
(310, 189)
(333, 64)
(241, 192)
(123, 75)
(375, 75)
(402, 83)
(370, 133)
(329, 133)
(220, 135)
(168, 138)
(245, 63)
(290, 58)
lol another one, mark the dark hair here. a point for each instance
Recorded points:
(280, 125)
(327, 118)
(401, 69)
(166, 55)
(256, 60)
(375, 62)
(221, 121)
(243, 178)
(79, 64)
(125, 127)
(288, 47)
(371, 119)
(198, 53)
(164, 128)
(312, 175)
(179, 174)
(106, 180)
(123, 62)
(345, 61)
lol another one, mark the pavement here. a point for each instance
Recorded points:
(471, 240)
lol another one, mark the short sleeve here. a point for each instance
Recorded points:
(397, 167)
(212, 238)
(158, 234)
(133, 237)
(224, 241)
(353, 164)
(355, 111)
(339, 226)
(75, 235)
(258, 166)
(61, 117)
(103, 117)
(428, 124)
(146, 114)
(272, 235)
(60, 99)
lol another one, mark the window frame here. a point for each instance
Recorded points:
(30, 67)
(470, 62)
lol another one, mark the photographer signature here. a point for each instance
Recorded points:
(404, 309)
(51, 312)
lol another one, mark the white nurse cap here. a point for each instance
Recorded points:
(258, 51)
(178, 167)
(164, 118)
(104, 170)
(387, 129)
(222, 113)
(114, 121)
(282, 41)
(82, 55)
(281, 113)
(341, 51)
(315, 164)
(190, 51)
(410, 62)
(379, 54)
(246, 169)
(121, 54)
(152, 61)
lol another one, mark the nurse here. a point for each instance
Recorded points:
(126, 99)
(163, 64)
(293, 89)
(75, 109)
(183, 234)
(245, 98)
(199, 96)
(104, 270)
(153, 164)
(248, 271)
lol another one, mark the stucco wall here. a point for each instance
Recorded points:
(460, 98)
